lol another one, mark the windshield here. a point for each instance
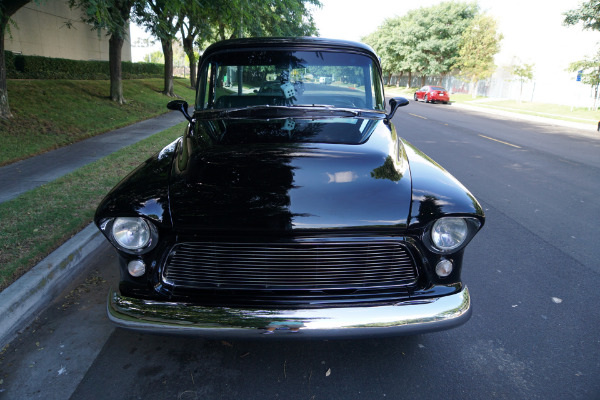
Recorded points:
(237, 79)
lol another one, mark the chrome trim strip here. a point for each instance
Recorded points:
(404, 318)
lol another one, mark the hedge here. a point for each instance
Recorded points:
(36, 67)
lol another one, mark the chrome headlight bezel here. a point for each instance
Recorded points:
(148, 230)
(447, 235)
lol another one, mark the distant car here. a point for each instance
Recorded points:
(432, 94)
(326, 80)
(294, 213)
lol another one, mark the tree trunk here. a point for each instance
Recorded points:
(473, 88)
(8, 9)
(168, 52)
(409, 79)
(4, 107)
(399, 77)
(115, 45)
(188, 47)
(222, 31)
(423, 78)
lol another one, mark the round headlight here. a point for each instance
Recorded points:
(449, 233)
(131, 233)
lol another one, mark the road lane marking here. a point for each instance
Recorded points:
(418, 116)
(500, 141)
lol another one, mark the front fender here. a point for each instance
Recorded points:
(436, 193)
(144, 192)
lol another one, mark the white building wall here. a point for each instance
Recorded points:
(52, 29)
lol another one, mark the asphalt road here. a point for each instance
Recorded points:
(533, 273)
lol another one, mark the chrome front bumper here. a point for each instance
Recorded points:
(403, 318)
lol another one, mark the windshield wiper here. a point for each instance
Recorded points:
(266, 111)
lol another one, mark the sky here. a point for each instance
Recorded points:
(532, 29)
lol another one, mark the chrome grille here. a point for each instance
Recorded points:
(290, 266)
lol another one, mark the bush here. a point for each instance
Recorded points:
(36, 67)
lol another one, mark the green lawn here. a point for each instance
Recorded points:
(39, 221)
(52, 113)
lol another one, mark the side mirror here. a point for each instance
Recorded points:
(395, 103)
(180, 105)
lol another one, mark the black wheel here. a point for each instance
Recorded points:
(416, 98)
(425, 99)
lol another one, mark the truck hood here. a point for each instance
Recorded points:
(293, 186)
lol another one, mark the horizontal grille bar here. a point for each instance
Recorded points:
(290, 266)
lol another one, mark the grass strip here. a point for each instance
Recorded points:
(553, 111)
(39, 221)
(49, 114)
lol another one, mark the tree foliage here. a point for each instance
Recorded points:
(392, 51)
(588, 14)
(590, 72)
(424, 41)
(435, 35)
(241, 18)
(524, 73)
(480, 42)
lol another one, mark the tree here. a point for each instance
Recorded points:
(7, 9)
(425, 41)
(480, 43)
(434, 35)
(282, 18)
(523, 73)
(156, 57)
(387, 46)
(239, 18)
(588, 14)
(196, 20)
(163, 19)
(113, 16)
(590, 73)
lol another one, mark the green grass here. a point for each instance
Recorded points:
(52, 113)
(400, 91)
(39, 221)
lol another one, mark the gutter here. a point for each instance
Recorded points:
(24, 300)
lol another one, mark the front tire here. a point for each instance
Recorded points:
(425, 99)
(416, 98)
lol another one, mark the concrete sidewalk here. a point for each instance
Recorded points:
(18, 178)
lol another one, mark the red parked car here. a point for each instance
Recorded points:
(432, 94)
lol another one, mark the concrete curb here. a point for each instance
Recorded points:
(22, 301)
